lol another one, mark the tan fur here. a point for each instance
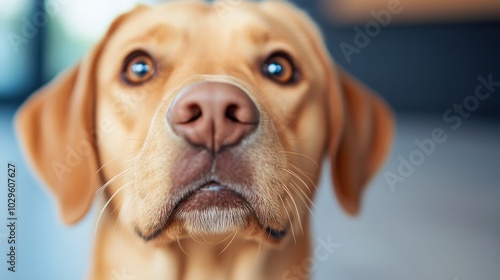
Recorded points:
(123, 143)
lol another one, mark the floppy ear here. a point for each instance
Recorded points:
(364, 142)
(56, 131)
(54, 127)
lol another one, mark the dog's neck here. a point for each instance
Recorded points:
(120, 254)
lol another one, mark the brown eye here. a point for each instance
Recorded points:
(139, 67)
(279, 68)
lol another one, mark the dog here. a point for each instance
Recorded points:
(203, 130)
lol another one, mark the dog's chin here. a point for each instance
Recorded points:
(213, 209)
(214, 220)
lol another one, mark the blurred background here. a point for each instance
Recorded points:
(437, 219)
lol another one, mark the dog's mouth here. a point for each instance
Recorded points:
(212, 195)
(213, 208)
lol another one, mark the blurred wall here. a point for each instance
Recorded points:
(418, 67)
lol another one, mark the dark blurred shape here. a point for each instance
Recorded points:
(415, 11)
(20, 49)
(419, 67)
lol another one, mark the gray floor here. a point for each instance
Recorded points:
(443, 222)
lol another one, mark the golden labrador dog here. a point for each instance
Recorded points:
(203, 129)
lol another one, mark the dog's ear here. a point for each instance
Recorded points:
(365, 140)
(56, 131)
(55, 128)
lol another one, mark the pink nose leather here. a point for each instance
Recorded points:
(213, 115)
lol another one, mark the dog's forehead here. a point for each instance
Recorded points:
(204, 21)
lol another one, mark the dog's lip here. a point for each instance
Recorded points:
(209, 195)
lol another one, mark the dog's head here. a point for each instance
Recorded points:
(197, 118)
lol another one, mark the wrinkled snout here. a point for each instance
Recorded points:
(213, 115)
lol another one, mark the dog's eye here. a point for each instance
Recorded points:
(279, 68)
(138, 68)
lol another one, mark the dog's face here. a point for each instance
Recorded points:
(197, 120)
(219, 137)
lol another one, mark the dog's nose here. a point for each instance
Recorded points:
(213, 115)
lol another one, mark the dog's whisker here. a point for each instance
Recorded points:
(289, 219)
(194, 238)
(130, 198)
(116, 220)
(115, 158)
(313, 184)
(101, 189)
(181, 248)
(299, 217)
(223, 240)
(303, 197)
(230, 242)
(107, 203)
(258, 252)
(300, 154)
(298, 178)
(301, 193)
(306, 174)
(204, 240)
(296, 208)
(126, 171)
(118, 205)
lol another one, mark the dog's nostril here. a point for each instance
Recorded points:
(241, 114)
(195, 113)
(231, 113)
